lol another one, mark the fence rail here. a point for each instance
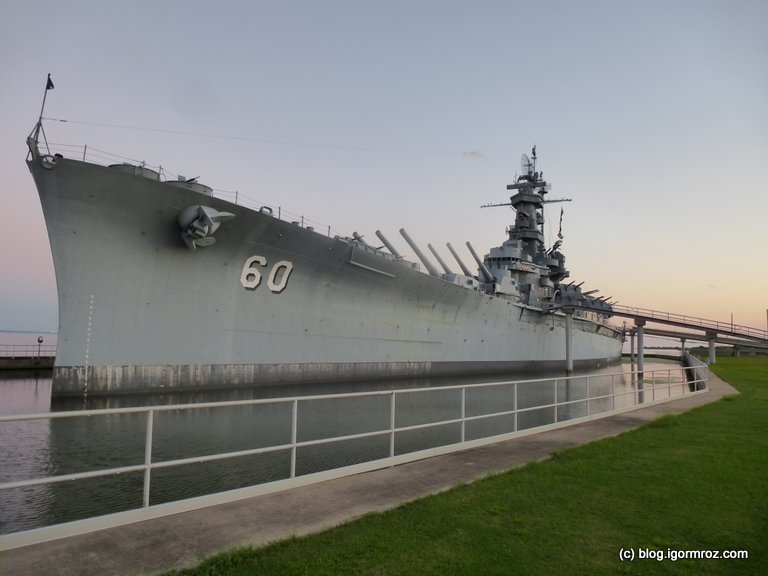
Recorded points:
(27, 351)
(595, 396)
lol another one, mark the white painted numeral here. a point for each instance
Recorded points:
(277, 280)
(275, 285)
(251, 277)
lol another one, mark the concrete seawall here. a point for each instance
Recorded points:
(26, 362)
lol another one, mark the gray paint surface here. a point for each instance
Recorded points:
(138, 309)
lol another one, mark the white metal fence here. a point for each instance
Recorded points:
(465, 420)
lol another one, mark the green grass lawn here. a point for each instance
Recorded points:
(697, 481)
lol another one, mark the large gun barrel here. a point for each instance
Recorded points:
(483, 269)
(429, 266)
(467, 271)
(389, 245)
(440, 260)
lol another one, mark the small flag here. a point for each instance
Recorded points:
(560, 232)
(49, 84)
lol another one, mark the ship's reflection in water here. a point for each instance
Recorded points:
(39, 448)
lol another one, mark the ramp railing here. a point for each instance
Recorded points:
(409, 424)
(690, 321)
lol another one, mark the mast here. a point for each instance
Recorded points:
(528, 203)
(38, 129)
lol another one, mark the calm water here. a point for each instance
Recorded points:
(36, 448)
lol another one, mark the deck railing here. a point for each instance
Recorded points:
(93, 155)
(588, 397)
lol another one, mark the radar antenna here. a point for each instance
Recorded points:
(530, 183)
(526, 166)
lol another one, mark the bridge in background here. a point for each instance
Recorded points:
(695, 329)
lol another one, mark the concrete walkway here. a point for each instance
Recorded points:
(183, 540)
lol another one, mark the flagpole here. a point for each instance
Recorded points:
(48, 86)
(39, 127)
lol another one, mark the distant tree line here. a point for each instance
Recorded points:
(729, 351)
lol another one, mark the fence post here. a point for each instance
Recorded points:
(392, 425)
(515, 384)
(463, 412)
(294, 434)
(554, 383)
(148, 456)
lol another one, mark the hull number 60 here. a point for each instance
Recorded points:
(277, 280)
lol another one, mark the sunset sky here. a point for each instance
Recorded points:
(361, 115)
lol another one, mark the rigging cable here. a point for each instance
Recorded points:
(471, 154)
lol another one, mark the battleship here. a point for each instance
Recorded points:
(164, 286)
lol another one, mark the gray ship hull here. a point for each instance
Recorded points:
(269, 302)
